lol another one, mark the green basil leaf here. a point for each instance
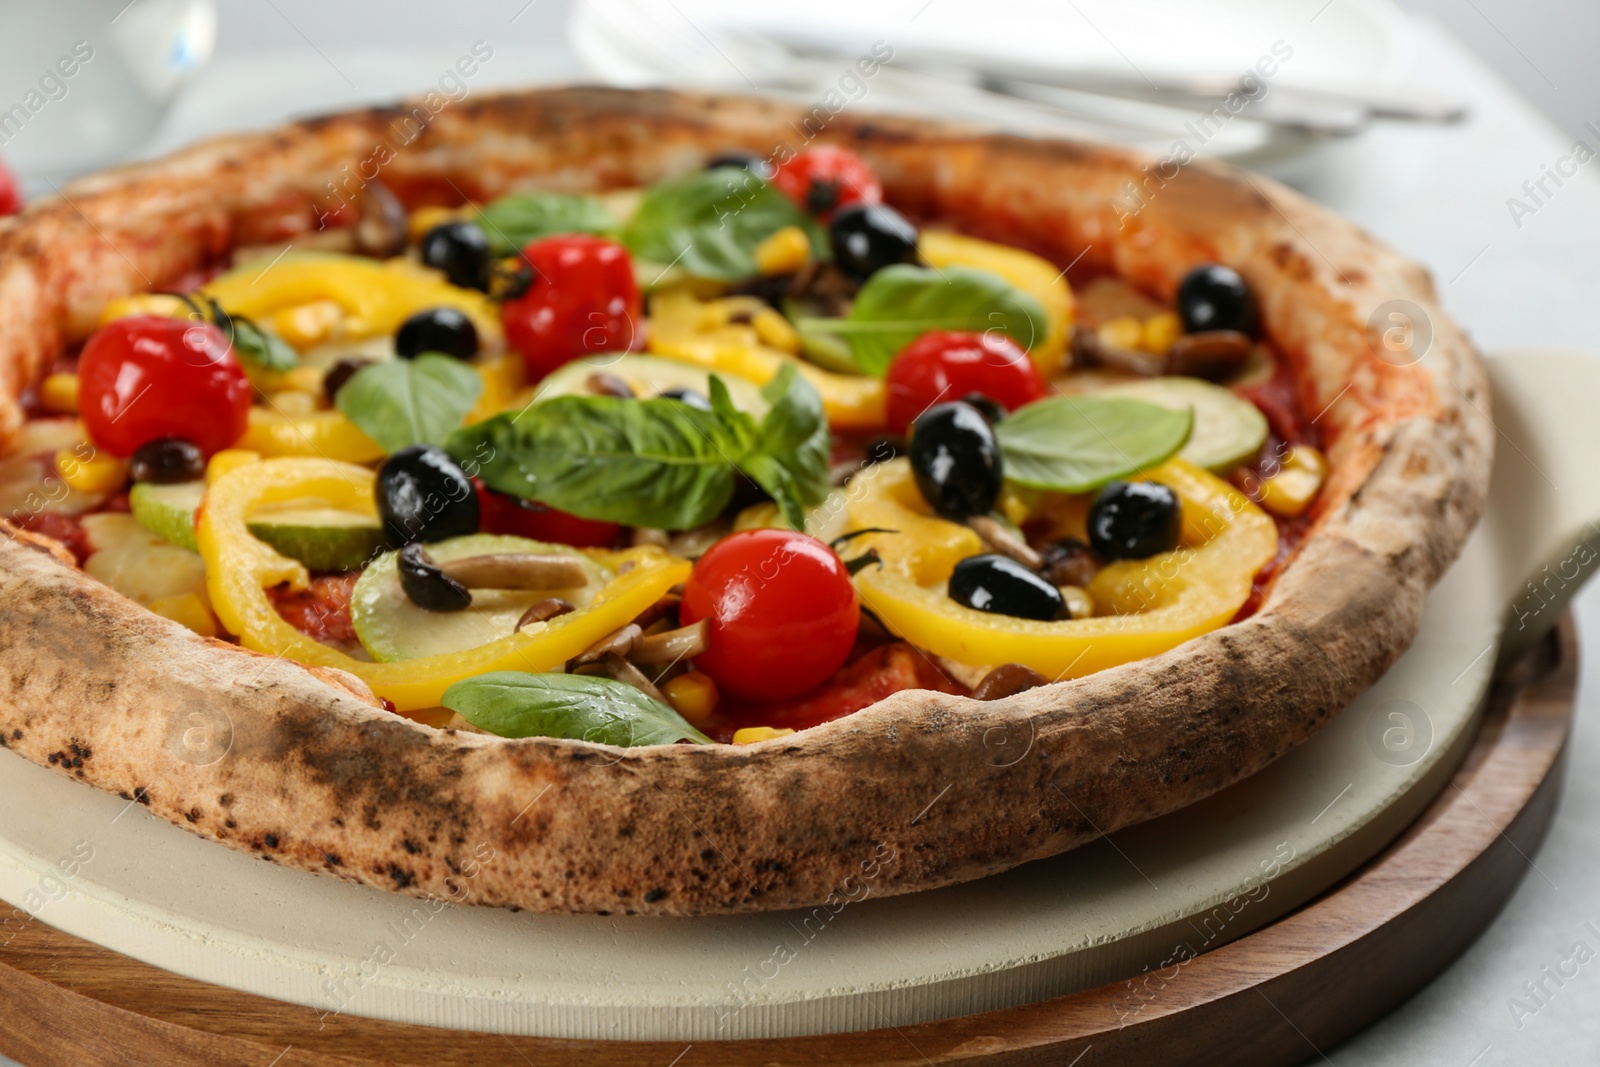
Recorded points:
(402, 402)
(710, 223)
(512, 221)
(794, 450)
(261, 349)
(898, 304)
(1073, 444)
(658, 463)
(575, 706)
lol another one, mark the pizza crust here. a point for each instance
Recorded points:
(921, 790)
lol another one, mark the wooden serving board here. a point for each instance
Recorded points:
(1276, 996)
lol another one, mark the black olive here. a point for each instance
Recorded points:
(1134, 520)
(428, 587)
(688, 396)
(445, 330)
(167, 461)
(1214, 297)
(510, 278)
(868, 237)
(990, 408)
(424, 496)
(461, 250)
(1002, 586)
(340, 374)
(1069, 562)
(749, 161)
(956, 460)
(882, 448)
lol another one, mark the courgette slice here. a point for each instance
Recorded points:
(1228, 429)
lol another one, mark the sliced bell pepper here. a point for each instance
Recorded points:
(686, 328)
(376, 296)
(324, 434)
(1034, 275)
(240, 569)
(1146, 606)
(922, 547)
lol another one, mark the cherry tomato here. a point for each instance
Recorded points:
(824, 178)
(147, 377)
(782, 608)
(583, 300)
(504, 514)
(940, 366)
(10, 195)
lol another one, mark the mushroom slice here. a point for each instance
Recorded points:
(670, 646)
(1003, 541)
(618, 642)
(543, 611)
(1006, 680)
(517, 571)
(623, 671)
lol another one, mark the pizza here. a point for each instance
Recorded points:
(633, 502)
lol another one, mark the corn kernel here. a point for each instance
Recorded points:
(692, 695)
(58, 393)
(749, 735)
(306, 325)
(1016, 503)
(189, 610)
(1290, 492)
(1124, 332)
(302, 379)
(1159, 332)
(293, 404)
(163, 304)
(784, 252)
(426, 218)
(229, 459)
(1080, 605)
(775, 331)
(98, 473)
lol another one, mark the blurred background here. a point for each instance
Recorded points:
(1459, 131)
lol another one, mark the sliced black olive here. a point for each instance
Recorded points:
(424, 496)
(691, 397)
(427, 586)
(1069, 562)
(868, 237)
(1134, 520)
(167, 461)
(445, 330)
(1002, 586)
(990, 408)
(956, 460)
(461, 250)
(1214, 297)
(749, 161)
(340, 374)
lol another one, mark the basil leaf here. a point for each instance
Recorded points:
(259, 348)
(898, 304)
(710, 223)
(512, 221)
(1073, 444)
(575, 706)
(410, 402)
(794, 450)
(658, 463)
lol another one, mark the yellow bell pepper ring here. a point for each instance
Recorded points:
(375, 297)
(320, 434)
(1034, 275)
(240, 569)
(1145, 606)
(922, 547)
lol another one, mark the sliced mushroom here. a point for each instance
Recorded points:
(543, 611)
(670, 646)
(1004, 541)
(1069, 562)
(618, 642)
(1088, 351)
(665, 608)
(1006, 680)
(517, 570)
(426, 585)
(1215, 355)
(381, 229)
(623, 671)
(602, 384)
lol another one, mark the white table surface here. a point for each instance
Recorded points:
(1439, 194)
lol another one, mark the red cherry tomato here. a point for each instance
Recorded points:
(504, 514)
(941, 366)
(10, 195)
(148, 377)
(583, 300)
(826, 178)
(782, 608)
